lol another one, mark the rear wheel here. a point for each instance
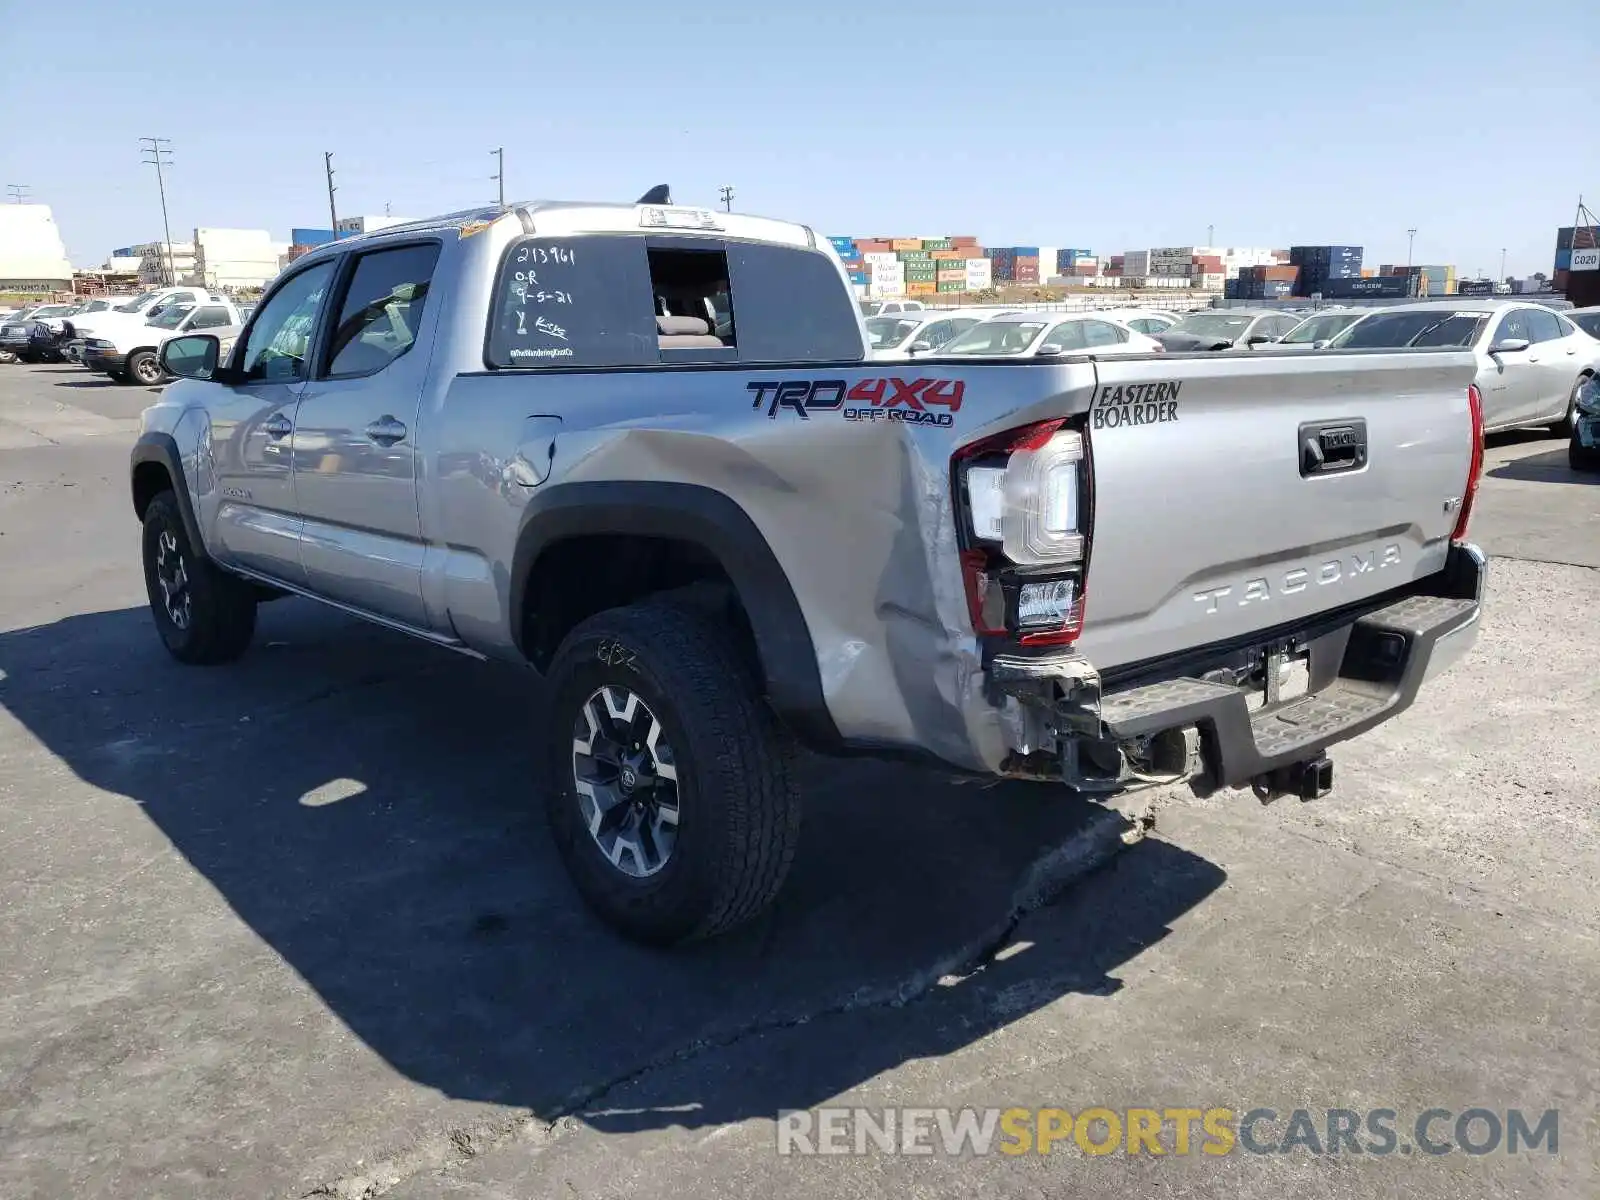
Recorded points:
(144, 367)
(7, 357)
(203, 614)
(670, 793)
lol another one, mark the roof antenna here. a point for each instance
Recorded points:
(660, 194)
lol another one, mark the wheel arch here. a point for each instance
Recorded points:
(715, 526)
(155, 467)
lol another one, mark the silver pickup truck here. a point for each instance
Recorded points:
(642, 450)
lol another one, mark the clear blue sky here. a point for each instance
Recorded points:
(1116, 124)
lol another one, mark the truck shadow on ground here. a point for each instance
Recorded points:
(368, 807)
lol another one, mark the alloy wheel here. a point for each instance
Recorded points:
(626, 779)
(172, 575)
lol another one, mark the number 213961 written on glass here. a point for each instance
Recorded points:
(545, 254)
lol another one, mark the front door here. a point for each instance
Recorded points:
(355, 438)
(1511, 394)
(254, 522)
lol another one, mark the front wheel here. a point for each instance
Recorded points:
(144, 368)
(7, 356)
(203, 614)
(670, 792)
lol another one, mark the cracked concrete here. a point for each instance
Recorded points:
(215, 987)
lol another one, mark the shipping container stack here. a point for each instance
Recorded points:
(1264, 283)
(1568, 239)
(1319, 264)
(1386, 287)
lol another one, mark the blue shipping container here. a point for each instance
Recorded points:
(860, 277)
(1025, 251)
(310, 237)
(1564, 260)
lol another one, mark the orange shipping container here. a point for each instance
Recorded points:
(963, 243)
(947, 255)
(950, 276)
(922, 287)
(906, 244)
(874, 246)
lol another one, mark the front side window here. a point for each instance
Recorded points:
(1068, 336)
(884, 333)
(1212, 325)
(381, 309)
(213, 316)
(279, 342)
(935, 333)
(1515, 324)
(1544, 325)
(1102, 333)
(171, 316)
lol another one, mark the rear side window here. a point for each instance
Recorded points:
(601, 301)
(381, 308)
(1544, 325)
(1102, 333)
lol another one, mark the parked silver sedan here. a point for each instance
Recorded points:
(1531, 360)
(1320, 328)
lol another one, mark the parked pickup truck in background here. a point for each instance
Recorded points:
(514, 434)
(129, 353)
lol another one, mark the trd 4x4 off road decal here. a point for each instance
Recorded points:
(890, 399)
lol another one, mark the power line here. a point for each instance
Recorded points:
(17, 192)
(500, 175)
(158, 153)
(726, 192)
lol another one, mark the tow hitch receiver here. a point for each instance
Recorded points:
(1308, 779)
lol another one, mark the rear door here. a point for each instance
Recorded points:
(1555, 358)
(355, 447)
(1211, 522)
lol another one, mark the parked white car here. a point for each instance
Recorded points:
(905, 335)
(1040, 335)
(132, 354)
(1531, 360)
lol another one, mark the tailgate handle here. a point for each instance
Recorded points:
(1329, 447)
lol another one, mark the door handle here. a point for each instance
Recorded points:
(386, 431)
(277, 426)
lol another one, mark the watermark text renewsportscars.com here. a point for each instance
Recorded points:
(1176, 1132)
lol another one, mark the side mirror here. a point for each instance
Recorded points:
(1050, 350)
(921, 347)
(1510, 346)
(1260, 339)
(193, 356)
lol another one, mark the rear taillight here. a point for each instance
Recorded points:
(1475, 404)
(1024, 502)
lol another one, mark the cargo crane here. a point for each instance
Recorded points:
(1583, 282)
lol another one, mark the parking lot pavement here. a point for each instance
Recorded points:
(292, 927)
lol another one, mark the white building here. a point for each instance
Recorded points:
(369, 224)
(32, 255)
(236, 258)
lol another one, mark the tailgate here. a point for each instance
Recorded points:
(1213, 517)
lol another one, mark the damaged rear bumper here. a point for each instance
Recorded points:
(1363, 673)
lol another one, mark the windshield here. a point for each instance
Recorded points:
(137, 302)
(1320, 329)
(994, 337)
(883, 332)
(171, 316)
(53, 310)
(871, 308)
(1400, 329)
(1212, 325)
(1588, 322)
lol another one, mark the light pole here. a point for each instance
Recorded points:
(1411, 240)
(726, 192)
(1502, 262)
(18, 192)
(333, 215)
(158, 152)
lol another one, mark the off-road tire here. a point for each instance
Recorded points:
(143, 368)
(739, 808)
(222, 609)
(1581, 457)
